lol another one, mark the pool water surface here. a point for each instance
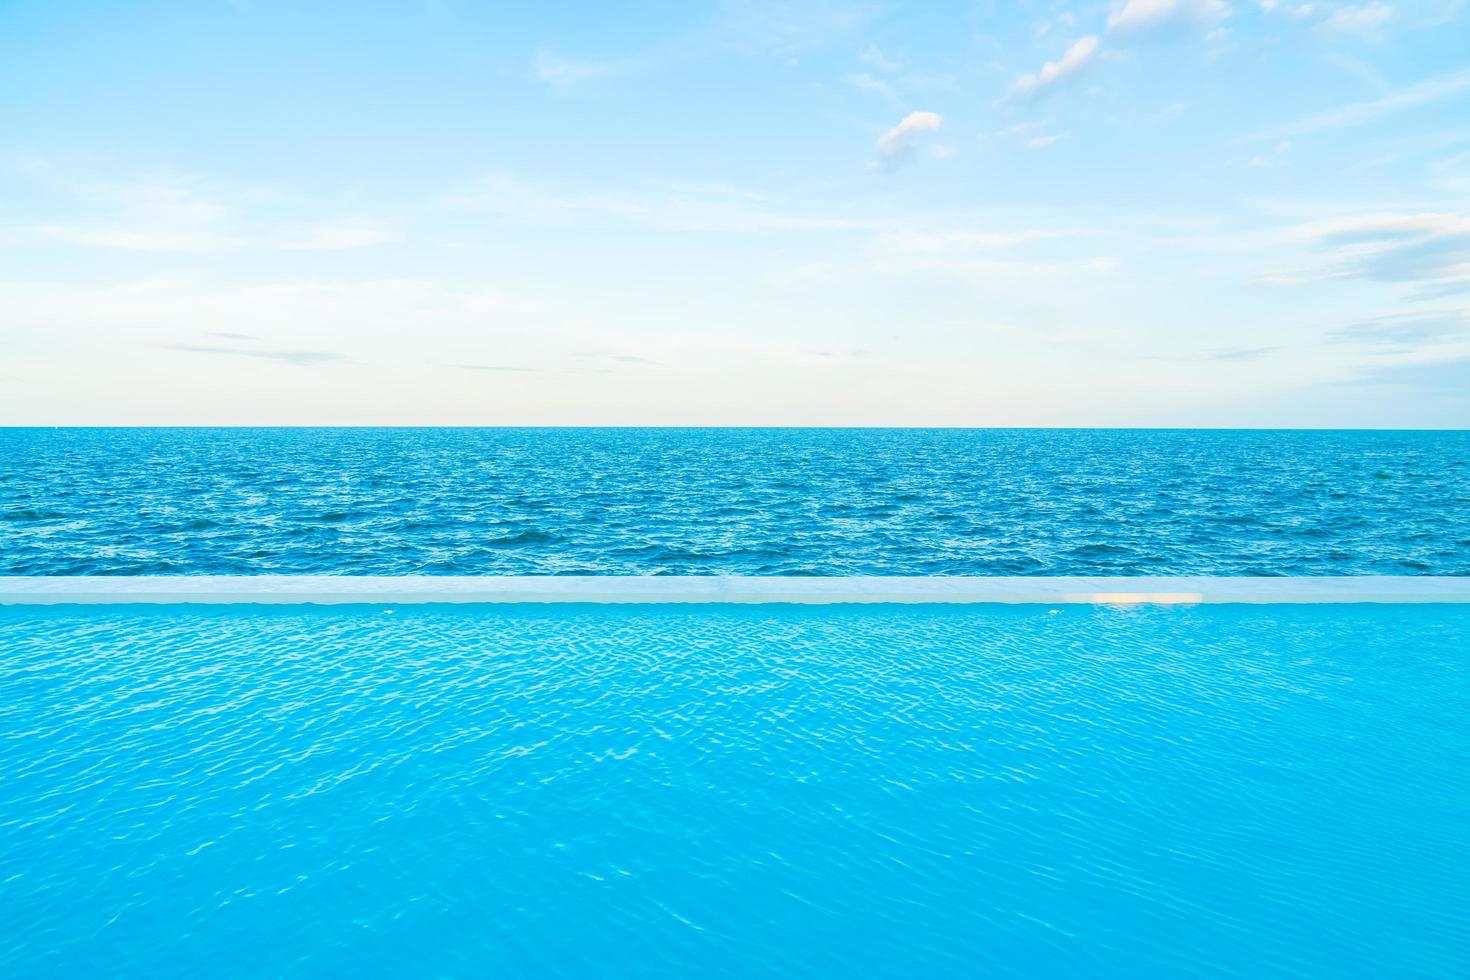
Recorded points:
(667, 791)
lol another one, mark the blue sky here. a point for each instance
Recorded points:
(1144, 212)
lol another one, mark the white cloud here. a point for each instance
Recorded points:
(899, 140)
(1138, 15)
(1076, 60)
(1135, 17)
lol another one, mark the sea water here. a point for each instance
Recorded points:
(733, 501)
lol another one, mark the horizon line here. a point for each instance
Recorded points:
(739, 426)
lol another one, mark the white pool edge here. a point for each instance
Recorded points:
(398, 590)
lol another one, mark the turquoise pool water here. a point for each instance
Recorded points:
(722, 791)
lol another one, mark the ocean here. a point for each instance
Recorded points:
(181, 501)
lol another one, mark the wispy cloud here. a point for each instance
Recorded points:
(1430, 90)
(710, 209)
(873, 56)
(1427, 250)
(1077, 59)
(1360, 19)
(1243, 353)
(1372, 19)
(138, 238)
(145, 237)
(1028, 135)
(785, 28)
(978, 255)
(1452, 375)
(749, 28)
(556, 69)
(156, 213)
(176, 213)
(867, 83)
(300, 358)
(312, 315)
(329, 237)
(1135, 20)
(1147, 15)
(1405, 332)
(1295, 11)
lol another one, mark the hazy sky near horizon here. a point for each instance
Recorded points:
(1143, 212)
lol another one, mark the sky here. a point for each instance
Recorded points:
(750, 212)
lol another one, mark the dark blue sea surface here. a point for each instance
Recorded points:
(738, 501)
(735, 791)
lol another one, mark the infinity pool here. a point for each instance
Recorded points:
(723, 791)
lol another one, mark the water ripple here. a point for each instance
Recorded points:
(735, 791)
(754, 502)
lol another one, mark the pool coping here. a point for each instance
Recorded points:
(395, 589)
